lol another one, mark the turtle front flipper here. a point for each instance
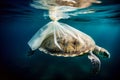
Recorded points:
(95, 61)
(102, 52)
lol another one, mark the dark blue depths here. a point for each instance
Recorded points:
(19, 22)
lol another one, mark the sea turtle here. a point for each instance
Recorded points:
(68, 46)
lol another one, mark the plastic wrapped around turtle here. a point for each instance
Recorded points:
(61, 40)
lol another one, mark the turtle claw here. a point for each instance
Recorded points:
(95, 62)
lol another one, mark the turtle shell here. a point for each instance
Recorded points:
(69, 46)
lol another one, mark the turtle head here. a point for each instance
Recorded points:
(102, 52)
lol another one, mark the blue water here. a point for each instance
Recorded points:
(19, 22)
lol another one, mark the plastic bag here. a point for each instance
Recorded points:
(59, 37)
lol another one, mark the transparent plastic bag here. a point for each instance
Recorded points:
(56, 36)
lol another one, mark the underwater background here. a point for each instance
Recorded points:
(19, 22)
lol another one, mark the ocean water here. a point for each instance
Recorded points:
(19, 22)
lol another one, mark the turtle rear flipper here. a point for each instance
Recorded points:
(95, 62)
